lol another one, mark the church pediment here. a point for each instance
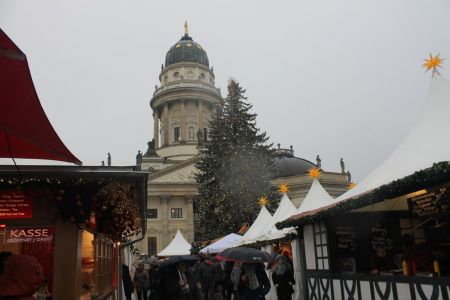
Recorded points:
(179, 173)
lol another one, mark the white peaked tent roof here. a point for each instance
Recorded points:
(316, 197)
(261, 220)
(427, 143)
(178, 246)
(285, 210)
(229, 241)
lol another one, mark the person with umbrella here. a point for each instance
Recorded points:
(248, 276)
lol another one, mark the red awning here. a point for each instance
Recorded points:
(25, 131)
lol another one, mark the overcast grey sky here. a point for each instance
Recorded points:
(339, 78)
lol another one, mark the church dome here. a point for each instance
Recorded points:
(186, 50)
(286, 164)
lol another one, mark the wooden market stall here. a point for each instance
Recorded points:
(72, 219)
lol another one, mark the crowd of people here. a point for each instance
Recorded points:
(209, 279)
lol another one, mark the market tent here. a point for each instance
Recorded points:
(229, 241)
(178, 246)
(25, 131)
(269, 232)
(261, 220)
(427, 143)
(316, 197)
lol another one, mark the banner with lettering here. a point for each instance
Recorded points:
(432, 203)
(28, 234)
(15, 205)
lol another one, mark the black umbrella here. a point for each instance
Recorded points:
(244, 255)
(176, 259)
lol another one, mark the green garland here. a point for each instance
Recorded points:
(438, 174)
(107, 205)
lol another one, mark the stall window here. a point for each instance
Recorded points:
(411, 226)
(320, 246)
(152, 213)
(151, 245)
(176, 213)
(104, 264)
(97, 265)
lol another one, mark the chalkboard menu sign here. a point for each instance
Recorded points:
(380, 238)
(346, 238)
(431, 203)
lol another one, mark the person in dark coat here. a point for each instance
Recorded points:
(128, 286)
(141, 282)
(206, 275)
(283, 277)
(254, 282)
(154, 277)
(228, 285)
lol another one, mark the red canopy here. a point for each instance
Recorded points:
(25, 131)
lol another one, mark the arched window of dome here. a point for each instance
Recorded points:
(176, 134)
(202, 76)
(166, 79)
(191, 133)
(176, 75)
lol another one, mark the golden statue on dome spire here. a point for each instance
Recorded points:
(186, 29)
(433, 62)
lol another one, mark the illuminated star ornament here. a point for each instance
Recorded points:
(283, 188)
(351, 185)
(433, 62)
(262, 201)
(314, 172)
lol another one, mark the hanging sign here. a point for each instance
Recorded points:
(431, 203)
(28, 234)
(15, 205)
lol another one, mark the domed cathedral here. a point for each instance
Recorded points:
(182, 106)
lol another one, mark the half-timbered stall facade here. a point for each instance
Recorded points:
(389, 236)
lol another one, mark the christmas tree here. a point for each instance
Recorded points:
(235, 168)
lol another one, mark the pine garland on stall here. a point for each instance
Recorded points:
(235, 168)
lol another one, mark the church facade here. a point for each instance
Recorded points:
(182, 106)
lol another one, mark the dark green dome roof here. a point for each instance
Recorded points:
(186, 50)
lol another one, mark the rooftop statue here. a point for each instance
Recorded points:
(342, 166)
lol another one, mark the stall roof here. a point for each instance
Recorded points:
(25, 129)
(178, 246)
(427, 143)
(316, 197)
(229, 241)
(262, 219)
(268, 231)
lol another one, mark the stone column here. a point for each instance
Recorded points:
(156, 128)
(183, 127)
(190, 217)
(164, 219)
(199, 116)
(166, 128)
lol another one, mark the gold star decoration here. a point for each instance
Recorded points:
(433, 62)
(314, 172)
(351, 185)
(283, 188)
(262, 201)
